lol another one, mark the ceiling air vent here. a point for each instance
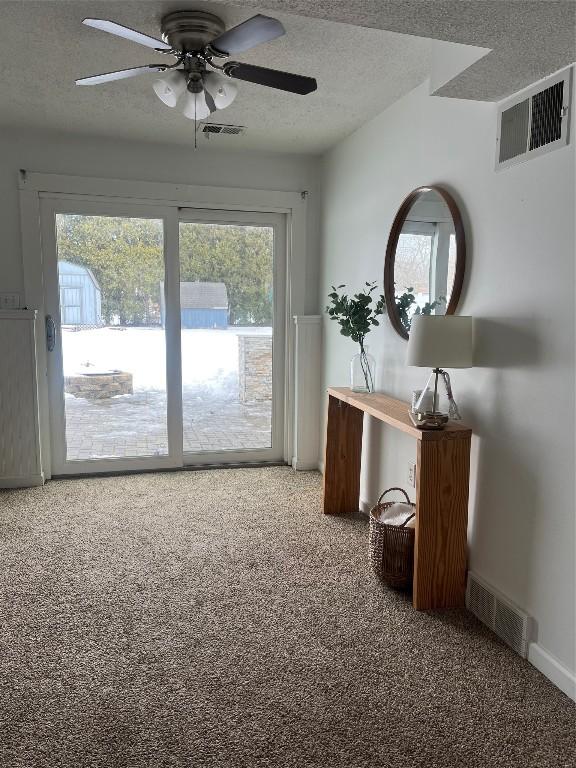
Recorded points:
(493, 609)
(216, 129)
(535, 122)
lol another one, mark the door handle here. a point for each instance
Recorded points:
(50, 333)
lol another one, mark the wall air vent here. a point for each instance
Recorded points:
(216, 129)
(499, 614)
(535, 122)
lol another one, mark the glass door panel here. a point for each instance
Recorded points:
(110, 278)
(228, 306)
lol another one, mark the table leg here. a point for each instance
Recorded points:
(440, 550)
(342, 458)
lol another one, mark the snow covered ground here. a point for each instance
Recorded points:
(209, 357)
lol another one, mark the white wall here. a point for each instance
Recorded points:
(520, 285)
(147, 162)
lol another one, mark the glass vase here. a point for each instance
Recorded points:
(362, 372)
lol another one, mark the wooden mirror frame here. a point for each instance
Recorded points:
(397, 225)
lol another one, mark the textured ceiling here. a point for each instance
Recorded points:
(44, 47)
(529, 38)
(365, 54)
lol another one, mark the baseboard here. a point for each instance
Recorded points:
(22, 481)
(321, 467)
(365, 506)
(551, 668)
(304, 466)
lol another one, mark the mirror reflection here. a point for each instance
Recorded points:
(425, 258)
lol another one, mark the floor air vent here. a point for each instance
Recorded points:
(535, 122)
(510, 623)
(216, 129)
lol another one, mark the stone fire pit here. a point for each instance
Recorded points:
(98, 385)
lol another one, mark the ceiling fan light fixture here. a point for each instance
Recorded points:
(222, 89)
(195, 106)
(170, 87)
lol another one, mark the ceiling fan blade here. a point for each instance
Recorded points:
(121, 74)
(128, 34)
(258, 29)
(273, 78)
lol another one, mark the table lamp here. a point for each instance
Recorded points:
(438, 342)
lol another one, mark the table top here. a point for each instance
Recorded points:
(395, 413)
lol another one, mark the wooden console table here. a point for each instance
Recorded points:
(442, 477)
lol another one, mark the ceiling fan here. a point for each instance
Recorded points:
(199, 40)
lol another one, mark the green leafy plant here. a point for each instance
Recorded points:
(404, 303)
(356, 316)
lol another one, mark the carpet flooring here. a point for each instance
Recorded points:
(217, 619)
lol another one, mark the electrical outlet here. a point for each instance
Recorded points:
(412, 474)
(9, 300)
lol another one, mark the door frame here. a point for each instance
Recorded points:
(34, 186)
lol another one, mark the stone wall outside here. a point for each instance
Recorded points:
(255, 368)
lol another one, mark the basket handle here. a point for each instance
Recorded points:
(407, 520)
(395, 489)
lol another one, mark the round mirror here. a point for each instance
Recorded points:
(425, 258)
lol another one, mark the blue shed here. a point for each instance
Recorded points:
(80, 295)
(202, 305)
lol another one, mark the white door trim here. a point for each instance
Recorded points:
(183, 195)
(34, 186)
(172, 330)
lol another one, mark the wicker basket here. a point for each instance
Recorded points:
(392, 546)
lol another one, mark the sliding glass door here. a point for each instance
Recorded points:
(165, 334)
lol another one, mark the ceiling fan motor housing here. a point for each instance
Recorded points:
(194, 70)
(189, 31)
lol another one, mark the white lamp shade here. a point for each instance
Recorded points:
(170, 87)
(441, 341)
(222, 89)
(195, 107)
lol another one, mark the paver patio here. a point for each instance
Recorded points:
(135, 425)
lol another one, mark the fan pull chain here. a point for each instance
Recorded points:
(195, 124)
